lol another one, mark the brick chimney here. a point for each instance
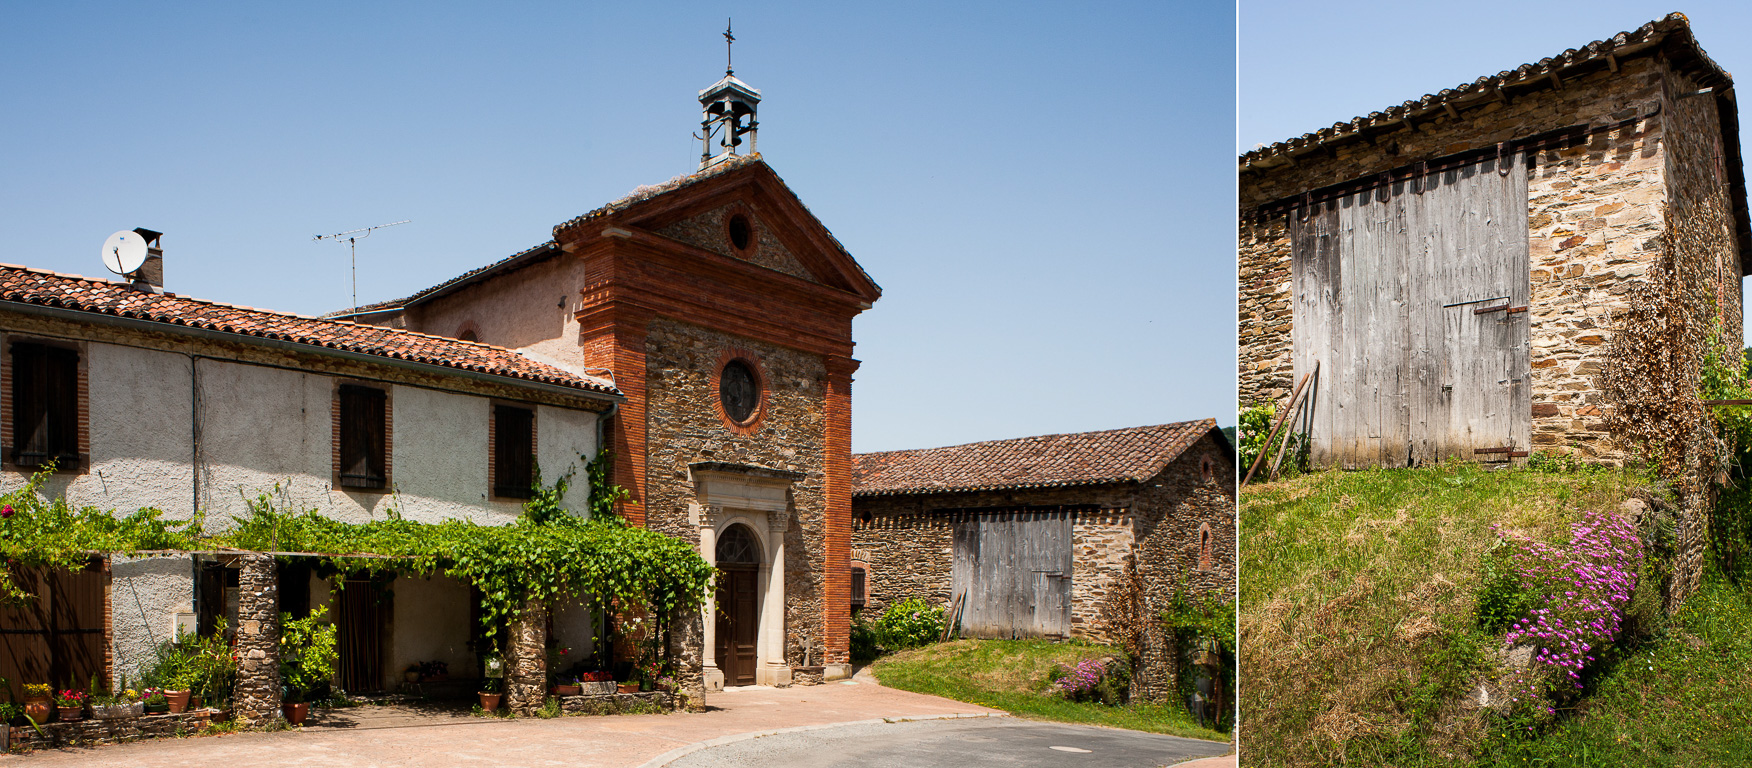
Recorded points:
(150, 276)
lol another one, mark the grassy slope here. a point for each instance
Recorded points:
(1011, 675)
(1357, 643)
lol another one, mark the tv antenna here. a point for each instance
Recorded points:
(351, 238)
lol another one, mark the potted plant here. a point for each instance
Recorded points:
(490, 694)
(153, 702)
(434, 671)
(307, 660)
(37, 702)
(70, 704)
(567, 687)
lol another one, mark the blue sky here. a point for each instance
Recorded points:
(1039, 189)
(1305, 66)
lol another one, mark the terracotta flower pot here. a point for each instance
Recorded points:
(69, 714)
(490, 701)
(567, 690)
(38, 709)
(178, 700)
(295, 713)
(629, 688)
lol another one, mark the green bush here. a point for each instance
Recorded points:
(865, 644)
(203, 665)
(1255, 429)
(308, 656)
(909, 623)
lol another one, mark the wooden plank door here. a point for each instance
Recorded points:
(738, 626)
(1012, 573)
(361, 628)
(1376, 277)
(57, 638)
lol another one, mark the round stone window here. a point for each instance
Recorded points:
(739, 391)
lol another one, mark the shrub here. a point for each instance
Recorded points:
(1107, 681)
(865, 644)
(909, 623)
(307, 654)
(1500, 600)
(1255, 428)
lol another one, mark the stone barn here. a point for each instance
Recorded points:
(1457, 266)
(1048, 536)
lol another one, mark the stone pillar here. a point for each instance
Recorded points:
(686, 648)
(774, 669)
(526, 661)
(713, 676)
(256, 697)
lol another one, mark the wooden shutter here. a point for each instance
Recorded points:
(513, 451)
(858, 587)
(45, 405)
(362, 437)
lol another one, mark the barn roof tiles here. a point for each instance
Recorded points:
(1085, 458)
(1672, 33)
(23, 285)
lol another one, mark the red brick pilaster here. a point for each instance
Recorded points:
(615, 340)
(837, 586)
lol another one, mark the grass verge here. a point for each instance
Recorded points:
(1012, 675)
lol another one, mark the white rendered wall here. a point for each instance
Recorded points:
(563, 435)
(140, 434)
(146, 594)
(431, 618)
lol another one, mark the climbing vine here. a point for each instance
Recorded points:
(544, 556)
(38, 531)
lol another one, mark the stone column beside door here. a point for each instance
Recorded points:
(774, 670)
(256, 696)
(712, 674)
(526, 661)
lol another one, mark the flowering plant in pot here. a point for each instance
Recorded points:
(37, 702)
(153, 702)
(117, 706)
(70, 704)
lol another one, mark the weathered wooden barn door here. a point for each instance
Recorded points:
(1388, 286)
(360, 626)
(59, 637)
(1012, 573)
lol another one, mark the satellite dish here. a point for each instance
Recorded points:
(124, 252)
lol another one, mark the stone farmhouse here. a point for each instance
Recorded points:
(722, 310)
(1080, 535)
(142, 398)
(1457, 266)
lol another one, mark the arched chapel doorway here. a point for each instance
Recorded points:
(738, 556)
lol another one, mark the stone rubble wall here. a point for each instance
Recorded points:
(619, 703)
(1700, 231)
(257, 694)
(710, 231)
(684, 427)
(687, 649)
(1595, 218)
(92, 732)
(526, 661)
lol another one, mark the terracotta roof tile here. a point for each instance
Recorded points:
(1086, 458)
(23, 285)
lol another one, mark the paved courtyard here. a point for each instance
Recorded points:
(368, 737)
(365, 738)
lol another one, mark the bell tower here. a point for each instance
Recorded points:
(728, 114)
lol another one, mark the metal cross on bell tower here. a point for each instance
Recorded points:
(728, 108)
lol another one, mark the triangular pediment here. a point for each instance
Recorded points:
(699, 211)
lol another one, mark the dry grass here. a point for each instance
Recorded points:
(1358, 645)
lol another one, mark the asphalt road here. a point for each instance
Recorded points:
(1006, 742)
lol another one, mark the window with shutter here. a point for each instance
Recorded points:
(363, 422)
(45, 406)
(513, 452)
(858, 586)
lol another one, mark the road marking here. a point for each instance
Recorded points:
(1070, 749)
